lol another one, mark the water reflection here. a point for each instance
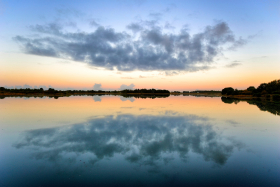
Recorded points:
(97, 98)
(131, 99)
(154, 144)
(263, 105)
(144, 140)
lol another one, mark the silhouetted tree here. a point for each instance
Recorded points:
(251, 88)
(228, 91)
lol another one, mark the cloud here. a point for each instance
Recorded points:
(238, 43)
(152, 49)
(97, 86)
(155, 15)
(128, 87)
(232, 65)
(142, 77)
(169, 26)
(135, 27)
(94, 23)
(171, 73)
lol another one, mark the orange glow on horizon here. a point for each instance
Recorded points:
(77, 109)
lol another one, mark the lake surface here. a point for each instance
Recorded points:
(117, 141)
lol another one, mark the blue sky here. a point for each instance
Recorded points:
(253, 52)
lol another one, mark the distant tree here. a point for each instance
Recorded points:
(273, 86)
(227, 91)
(51, 90)
(236, 92)
(261, 87)
(264, 92)
(251, 88)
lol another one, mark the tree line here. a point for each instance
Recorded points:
(264, 89)
(53, 91)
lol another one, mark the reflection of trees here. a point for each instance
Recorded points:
(145, 140)
(272, 107)
(263, 105)
(230, 100)
(143, 96)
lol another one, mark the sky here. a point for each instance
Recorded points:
(134, 44)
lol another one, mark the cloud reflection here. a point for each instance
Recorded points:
(97, 98)
(131, 99)
(144, 140)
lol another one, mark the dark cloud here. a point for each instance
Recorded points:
(140, 139)
(129, 87)
(151, 49)
(135, 27)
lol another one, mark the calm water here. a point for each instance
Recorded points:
(117, 141)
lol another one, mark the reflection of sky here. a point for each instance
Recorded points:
(97, 98)
(157, 142)
(142, 139)
(148, 144)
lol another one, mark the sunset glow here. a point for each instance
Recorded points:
(174, 45)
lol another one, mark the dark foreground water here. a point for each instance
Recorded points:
(116, 141)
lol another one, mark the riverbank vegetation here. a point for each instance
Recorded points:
(51, 92)
(268, 91)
